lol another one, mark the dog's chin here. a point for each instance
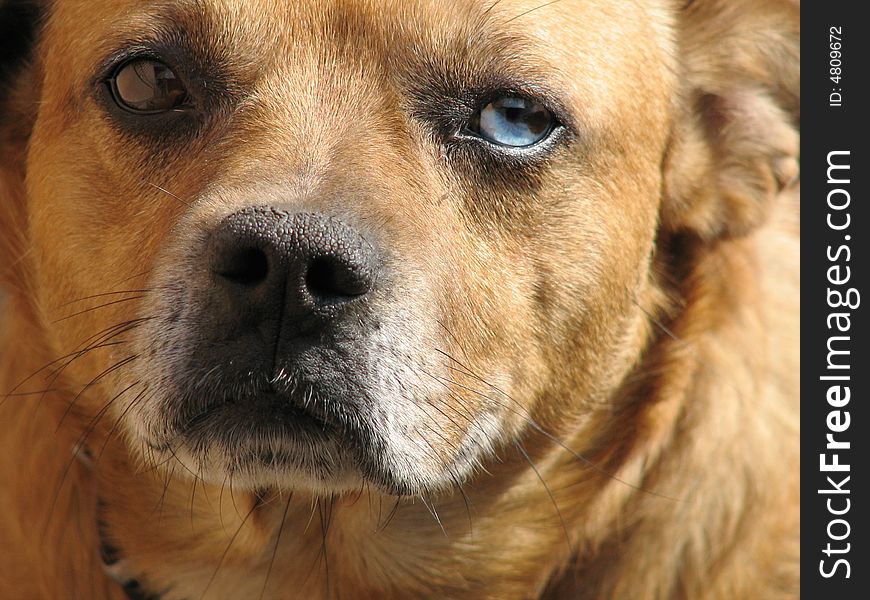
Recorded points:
(254, 449)
(255, 444)
(319, 469)
(265, 442)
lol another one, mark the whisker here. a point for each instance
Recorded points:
(135, 276)
(79, 444)
(531, 10)
(167, 480)
(192, 501)
(55, 374)
(171, 451)
(467, 501)
(447, 382)
(97, 341)
(73, 354)
(491, 6)
(275, 549)
(656, 321)
(227, 549)
(525, 454)
(34, 393)
(324, 531)
(167, 192)
(103, 295)
(114, 367)
(101, 413)
(221, 503)
(112, 331)
(434, 514)
(120, 418)
(87, 310)
(453, 337)
(390, 515)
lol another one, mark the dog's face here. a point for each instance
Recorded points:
(338, 243)
(372, 237)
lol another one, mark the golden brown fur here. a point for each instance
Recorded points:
(627, 307)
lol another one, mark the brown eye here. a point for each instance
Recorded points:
(147, 86)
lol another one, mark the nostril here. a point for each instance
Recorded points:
(327, 280)
(263, 260)
(247, 266)
(320, 278)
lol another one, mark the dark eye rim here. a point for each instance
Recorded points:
(110, 82)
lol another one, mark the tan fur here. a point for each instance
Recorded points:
(631, 307)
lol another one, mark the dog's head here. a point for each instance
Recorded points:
(317, 244)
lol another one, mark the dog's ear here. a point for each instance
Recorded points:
(19, 24)
(735, 139)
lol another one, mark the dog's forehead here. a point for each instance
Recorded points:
(572, 39)
(342, 20)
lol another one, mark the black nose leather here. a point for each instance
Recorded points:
(295, 270)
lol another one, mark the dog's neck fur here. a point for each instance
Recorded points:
(502, 538)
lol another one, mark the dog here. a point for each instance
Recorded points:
(401, 299)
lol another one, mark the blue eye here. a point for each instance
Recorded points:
(512, 121)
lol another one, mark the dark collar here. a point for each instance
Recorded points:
(116, 566)
(114, 563)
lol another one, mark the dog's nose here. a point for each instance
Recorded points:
(296, 270)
